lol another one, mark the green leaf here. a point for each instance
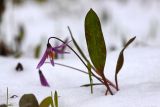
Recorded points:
(56, 99)
(47, 102)
(90, 77)
(95, 41)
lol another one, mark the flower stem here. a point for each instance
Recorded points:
(70, 67)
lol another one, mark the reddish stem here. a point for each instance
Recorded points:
(114, 86)
(106, 84)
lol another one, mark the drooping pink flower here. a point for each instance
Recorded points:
(50, 53)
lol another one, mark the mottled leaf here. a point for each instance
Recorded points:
(95, 41)
(121, 56)
(120, 60)
(47, 102)
(29, 100)
(129, 42)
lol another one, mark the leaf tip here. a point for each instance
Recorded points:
(91, 11)
(134, 37)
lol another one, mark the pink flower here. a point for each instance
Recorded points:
(50, 53)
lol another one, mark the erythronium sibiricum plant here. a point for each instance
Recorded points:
(97, 53)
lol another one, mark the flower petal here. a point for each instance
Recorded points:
(42, 60)
(62, 45)
(52, 62)
(58, 51)
(43, 79)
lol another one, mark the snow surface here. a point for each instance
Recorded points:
(139, 81)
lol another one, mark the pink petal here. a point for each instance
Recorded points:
(42, 60)
(62, 45)
(43, 79)
(52, 62)
(58, 51)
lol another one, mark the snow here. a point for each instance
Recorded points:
(138, 80)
